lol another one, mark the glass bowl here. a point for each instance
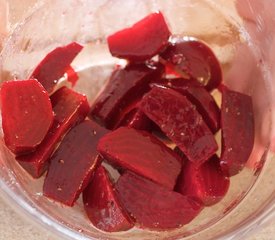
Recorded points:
(240, 34)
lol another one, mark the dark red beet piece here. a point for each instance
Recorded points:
(102, 205)
(73, 163)
(142, 41)
(55, 64)
(142, 153)
(124, 88)
(154, 206)
(180, 121)
(206, 183)
(26, 114)
(199, 96)
(70, 108)
(237, 123)
(191, 57)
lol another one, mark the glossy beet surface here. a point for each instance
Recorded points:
(154, 206)
(179, 120)
(74, 163)
(26, 114)
(142, 153)
(206, 183)
(199, 96)
(237, 123)
(69, 108)
(142, 41)
(124, 88)
(55, 64)
(102, 205)
(191, 57)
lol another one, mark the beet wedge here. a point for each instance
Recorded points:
(70, 108)
(142, 41)
(206, 183)
(153, 206)
(180, 121)
(142, 153)
(199, 96)
(124, 88)
(73, 163)
(55, 64)
(237, 124)
(26, 115)
(102, 205)
(192, 58)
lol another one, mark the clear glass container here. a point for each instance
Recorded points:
(241, 33)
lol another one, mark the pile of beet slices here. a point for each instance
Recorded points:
(155, 122)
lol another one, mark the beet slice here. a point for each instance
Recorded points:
(55, 64)
(180, 121)
(73, 163)
(102, 205)
(124, 88)
(154, 206)
(206, 183)
(26, 114)
(191, 57)
(142, 41)
(72, 76)
(70, 108)
(237, 123)
(199, 96)
(142, 153)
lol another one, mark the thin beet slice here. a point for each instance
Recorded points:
(70, 108)
(199, 96)
(102, 205)
(191, 57)
(55, 64)
(73, 163)
(142, 41)
(71, 75)
(180, 121)
(206, 183)
(26, 114)
(142, 153)
(125, 87)
(154, 206)
(237, 123)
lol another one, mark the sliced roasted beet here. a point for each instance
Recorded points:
(102, 205)
(26, 114)
(154, 206)
(206, 183)
(142, 153)
(199, 96)
(180, 121)
(191, 57)
(55, 64)
(125, 87)
(72, 76)
(237, 123)
(73, 163)
(142, 41)
(70, 108)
